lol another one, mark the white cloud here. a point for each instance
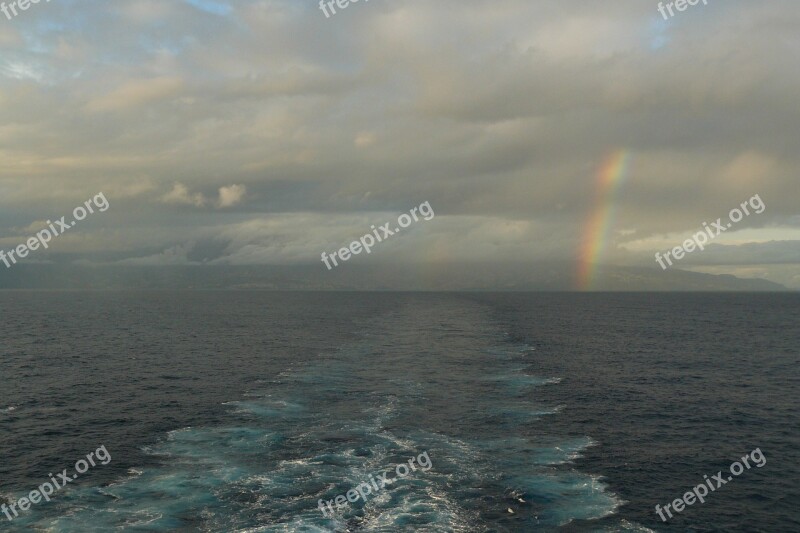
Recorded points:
(231, 195)
(180, 195)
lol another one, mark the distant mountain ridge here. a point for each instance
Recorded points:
(441, 276)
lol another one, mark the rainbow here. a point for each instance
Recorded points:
(598, 226)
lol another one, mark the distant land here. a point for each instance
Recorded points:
(439, 277)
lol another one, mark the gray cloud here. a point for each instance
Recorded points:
(275, 133)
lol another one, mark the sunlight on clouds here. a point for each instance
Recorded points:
(136, 93)
(180, 195)
(231, 196)
(496, 111)
(21, 71)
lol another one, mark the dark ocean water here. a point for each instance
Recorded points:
(234, 411)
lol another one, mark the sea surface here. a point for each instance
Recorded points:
(240, 411)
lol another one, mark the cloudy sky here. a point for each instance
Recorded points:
(264, 132)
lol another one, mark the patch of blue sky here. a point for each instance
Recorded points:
(153, 44)
(51, 25)
(210, 6)
(659, 37)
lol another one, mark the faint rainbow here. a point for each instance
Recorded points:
(598, 226)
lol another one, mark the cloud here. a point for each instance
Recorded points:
(180, 195)
(137, 93)
(498, 112)
(231, 195)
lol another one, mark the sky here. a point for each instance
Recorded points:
(265, 132)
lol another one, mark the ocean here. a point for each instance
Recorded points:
(227, 411)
